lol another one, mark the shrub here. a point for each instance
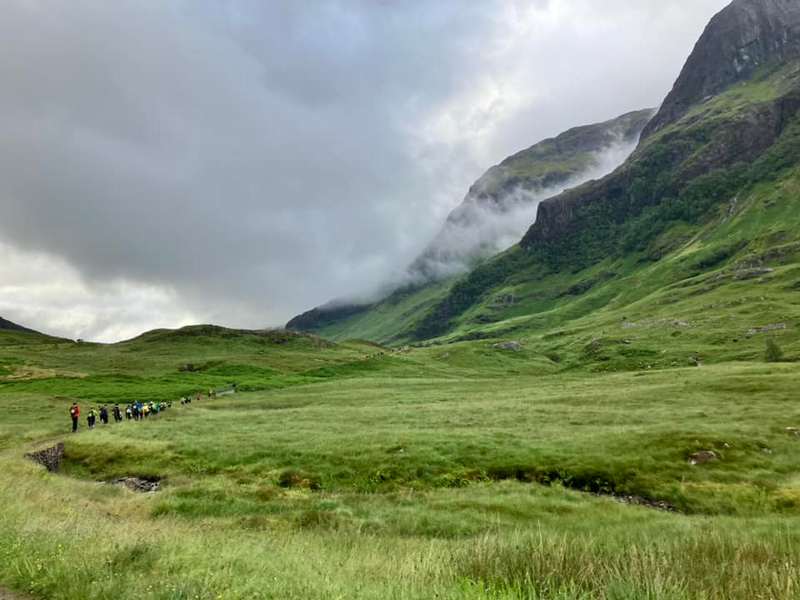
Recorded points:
(774, 352)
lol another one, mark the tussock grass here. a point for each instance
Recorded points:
(408, 475)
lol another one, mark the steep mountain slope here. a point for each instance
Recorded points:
(738, 41)
(492, 216)
(688, 251)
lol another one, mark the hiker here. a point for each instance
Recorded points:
(74, 413)
(128, 412)
(117, 413)
(104, 415)
(91, 417)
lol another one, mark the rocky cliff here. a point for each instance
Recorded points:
(746, 36)
(698, 130)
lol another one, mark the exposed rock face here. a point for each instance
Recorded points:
(509, 346)
(743, 37)
(138, 484)
(703, 457)
(740, 141)
(50, 458)
(747, 35)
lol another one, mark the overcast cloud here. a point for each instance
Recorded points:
(239, 161)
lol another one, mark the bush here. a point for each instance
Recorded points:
(774, 352)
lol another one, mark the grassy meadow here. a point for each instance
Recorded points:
(352, 471)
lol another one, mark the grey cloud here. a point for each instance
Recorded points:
(246, 160)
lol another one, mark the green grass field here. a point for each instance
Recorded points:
(350, 471)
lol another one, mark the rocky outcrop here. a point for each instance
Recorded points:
(741, 139)
(50, 458)
(746, 36)
(139, 484)
(742, 38)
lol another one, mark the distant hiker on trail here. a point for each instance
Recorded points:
(128, 412)
(104, 415)
(91, 417)
(74, 413)
(117, 413)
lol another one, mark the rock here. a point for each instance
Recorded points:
(740, 39)
(139, 484)
(50, 458)
(509, 346)
(746, 36)
(766, 329)
(646, 502)
(795, 431)
(745, 274)
(703, 457)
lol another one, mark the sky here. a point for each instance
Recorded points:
(167, 162)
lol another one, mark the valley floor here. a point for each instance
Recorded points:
(410, 481)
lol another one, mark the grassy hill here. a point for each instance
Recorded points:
(462, 471)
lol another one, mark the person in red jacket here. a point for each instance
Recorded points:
(74, 412)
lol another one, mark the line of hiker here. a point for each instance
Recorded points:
(135, 411)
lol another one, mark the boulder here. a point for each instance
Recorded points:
(703, 457)
(508, 346)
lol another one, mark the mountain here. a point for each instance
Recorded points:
(493, 216)
(6, 325)
(740, 40)
(726, 135)
(695, 236)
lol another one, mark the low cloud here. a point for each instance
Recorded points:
(479, 229)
